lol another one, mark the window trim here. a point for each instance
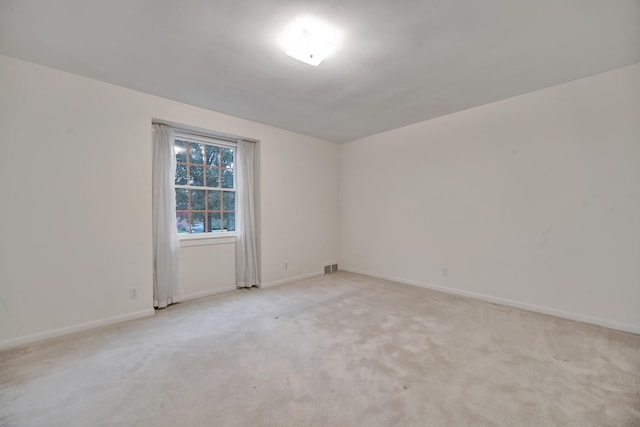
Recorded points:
(206, 239)
(201, 139)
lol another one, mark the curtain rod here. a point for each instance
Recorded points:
(204, 134)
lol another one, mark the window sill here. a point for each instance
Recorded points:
(206, 239)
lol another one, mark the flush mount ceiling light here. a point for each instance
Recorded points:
(310, 40)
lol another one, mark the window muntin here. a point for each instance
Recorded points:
(205, 186)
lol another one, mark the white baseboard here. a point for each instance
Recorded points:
(194, 295)
(634, 329)
(290, 280)
(55, 333)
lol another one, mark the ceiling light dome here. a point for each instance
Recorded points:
(310, 40)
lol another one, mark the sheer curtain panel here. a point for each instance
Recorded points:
(165, 237)
(246, 252)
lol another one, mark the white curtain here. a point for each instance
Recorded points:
(165, 237)
(246, 252)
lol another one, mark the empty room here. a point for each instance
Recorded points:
(320, 213)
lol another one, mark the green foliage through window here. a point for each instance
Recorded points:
(205, 187)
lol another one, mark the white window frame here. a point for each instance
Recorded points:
(221, 236)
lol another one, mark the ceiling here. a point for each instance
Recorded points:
(402, 61)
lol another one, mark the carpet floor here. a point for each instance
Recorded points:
(337, 350)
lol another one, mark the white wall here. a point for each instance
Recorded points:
(533, 201)
(75, 185)
(206, 267)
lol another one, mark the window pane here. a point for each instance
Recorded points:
(197, 222)
(213, 177)
(227, 178)
(180, 148)
(197, 200)
(196, 175)
(214, 200)
(196, 153)
(229, 201)
(227, 157)
(182, 218)
(229, 221)
(181, 174)
(213, 155)
(182, 199)
(215, 224)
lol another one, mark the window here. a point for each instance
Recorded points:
(205, 185)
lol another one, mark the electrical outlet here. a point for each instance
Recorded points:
(445, 272)
(133, 293)
(286, 265)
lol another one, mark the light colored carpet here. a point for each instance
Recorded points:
(338, 350)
